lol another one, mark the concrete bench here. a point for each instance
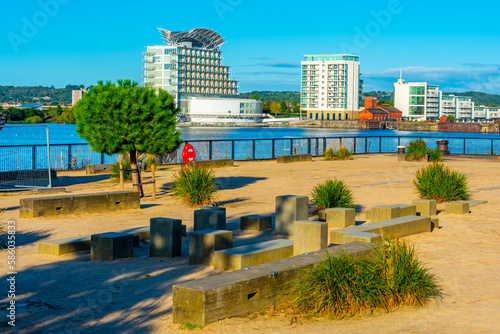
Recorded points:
(204, 243)
(283, 159)
(84, 203)
(384, 212)
(237, 293)
(456, 208)
(98, 169)
(213, 163)
(255, 223)
(111, 246)
(252, 255)
(396, 227)
(75, 244)
(340, 217)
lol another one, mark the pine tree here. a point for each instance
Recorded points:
(127, 118)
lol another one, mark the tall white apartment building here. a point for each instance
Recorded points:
(331, 87)
(190, 68)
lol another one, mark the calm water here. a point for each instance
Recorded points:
(66, 134)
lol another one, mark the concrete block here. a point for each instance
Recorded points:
(252, 255)
(426, 207)
(456, 208)
(380, 213)
(98, 169)
(340, 217)
(45, 206)
(142, 232)
(282, 159)
(289, 209)
(219, 208)
(367, 237)
(111, 246)
(309, 236)
(405, 209)
(434, 223)
(237, 293)
(368, 214)
(396, 227)
(64, 246)
(89, 203)
(50, 190)
(165, 237)
(322, 215)
(204, 243)
(209, 220)
(255, 223)
(124, 200)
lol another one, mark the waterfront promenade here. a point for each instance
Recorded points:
(72, 294)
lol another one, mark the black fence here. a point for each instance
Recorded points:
(77, 156)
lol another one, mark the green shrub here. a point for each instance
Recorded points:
(417, 150)
(150, 161)
(115, 170)
(435, 155)
(332, 194)
(195, 185)
(389, 276)
(342, 154)
(441, 183)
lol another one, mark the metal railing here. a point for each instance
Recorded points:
(77, 156)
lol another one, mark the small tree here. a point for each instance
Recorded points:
(126, 118)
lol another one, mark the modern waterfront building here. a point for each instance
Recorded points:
(190, 68)
(420, 101)
(331, 88)
(76, 95)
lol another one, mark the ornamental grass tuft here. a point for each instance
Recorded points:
(441, 183)
(115, 170)
(332, 194)
(417, 150)
(342, 154)
(342, 286)
(195, 185)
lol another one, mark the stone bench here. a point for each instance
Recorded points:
(203, 245)
(213, 163)
(111, 246)
(255, 223)
(384, 212)
(237, 293)
(283, 159)
(75, 244)
(456, 208)
(396, 227)
(252, 255)
(77, 204)
(98, 169)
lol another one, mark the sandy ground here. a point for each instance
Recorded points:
(71, 294)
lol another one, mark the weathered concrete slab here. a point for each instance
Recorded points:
(237, 293)
(340, 217)
(50, 190)
(98, 169)
(255, 223)
(111, 246)
(396, 227)
(382, 183)
(380, 213)
(426, 207)
(405, 209)
(490, 188)
(214, 163)
(283, 159)
(476, 202)
(219, 208)
(204, 243)
(77, 204)
(456, 208)
(252, 255)
(309, 236)
(208, 219)
(165, 237)
(290, 208)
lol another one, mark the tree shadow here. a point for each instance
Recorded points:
(26, 238)
(231, 201)
(147, 206)
(11, 208)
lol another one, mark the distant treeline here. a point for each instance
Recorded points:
(27, 94)
(477, 97)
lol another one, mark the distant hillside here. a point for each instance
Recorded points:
(481, 98)
(28, 94)
(288, 97)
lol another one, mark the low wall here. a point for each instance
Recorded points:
(214, 163)
(24, 175)
(282, 159)
(459, 127)
(98, 169)
(85, 203)
(418, 126)
(236, 293)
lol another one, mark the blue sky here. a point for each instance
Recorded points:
(60, 42)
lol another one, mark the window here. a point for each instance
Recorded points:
(340, 117)
(333, 116)
(417, 100)
(317, 116)
(327, 117)
(417, 90)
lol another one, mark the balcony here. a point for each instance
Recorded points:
(149, 69)
(149, 75)
(145, 53)
(148, 61)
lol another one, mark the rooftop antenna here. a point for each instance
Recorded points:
(400, 73)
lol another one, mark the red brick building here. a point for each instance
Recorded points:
(383, 112)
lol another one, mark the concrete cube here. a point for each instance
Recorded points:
(434, 223)
(405, 209)
(205, 219)
(340, 217)
(289, 209)
(322, 215)
(111, 246)
(456, 208)
(309, 236)
(255, 223)
(380, 213)
(426, 207)
(368, 214)
(204, 243)
(165, 237)
(219, 208)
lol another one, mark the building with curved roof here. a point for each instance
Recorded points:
(190, 68)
